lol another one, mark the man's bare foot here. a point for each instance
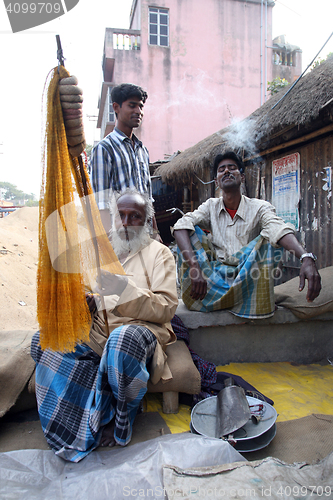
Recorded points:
(108, 435)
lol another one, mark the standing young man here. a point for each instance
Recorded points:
(120, 160)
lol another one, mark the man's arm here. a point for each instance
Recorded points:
(156, 303)
(308, 268)
(199, 284)
(181, 232)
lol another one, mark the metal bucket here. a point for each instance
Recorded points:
(203, 422)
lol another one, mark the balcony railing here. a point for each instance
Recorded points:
(284, 58)
(119, 39)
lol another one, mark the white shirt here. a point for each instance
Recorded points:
(253, 217)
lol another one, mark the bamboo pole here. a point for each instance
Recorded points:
(94, 239)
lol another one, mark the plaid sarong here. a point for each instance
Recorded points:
(246, 288)
(79, 392)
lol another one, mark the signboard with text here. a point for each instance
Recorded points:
(286, 187)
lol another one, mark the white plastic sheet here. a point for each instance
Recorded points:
(132, 472)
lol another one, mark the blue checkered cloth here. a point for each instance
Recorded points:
(246, 289)
(79, 392)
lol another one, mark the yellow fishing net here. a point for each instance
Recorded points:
(73, 245)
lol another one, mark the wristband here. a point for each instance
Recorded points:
(311, 255)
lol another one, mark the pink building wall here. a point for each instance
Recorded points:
(208, 76)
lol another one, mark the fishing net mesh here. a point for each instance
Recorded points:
(73, 245)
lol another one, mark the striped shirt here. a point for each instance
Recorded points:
(116, 165)
(229, 235)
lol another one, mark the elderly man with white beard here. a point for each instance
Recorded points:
(91, 397)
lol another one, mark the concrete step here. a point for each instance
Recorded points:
(221, 337)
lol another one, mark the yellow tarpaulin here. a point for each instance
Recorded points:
(297, 391)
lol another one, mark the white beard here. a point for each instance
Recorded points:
(138, 238)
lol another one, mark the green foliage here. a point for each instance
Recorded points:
(277, 84)
(32, 203)
(10, 192)
(320, 60)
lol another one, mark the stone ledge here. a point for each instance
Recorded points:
(194, 319)
(221, 337)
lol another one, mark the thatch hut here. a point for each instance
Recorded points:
(298, 126)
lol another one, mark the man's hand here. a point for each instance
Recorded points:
(91, 303)
(309, 271)
(199, 284)
(71, 103)
(111, 284)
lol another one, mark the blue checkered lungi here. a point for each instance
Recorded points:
(246, 288)
(79, 392)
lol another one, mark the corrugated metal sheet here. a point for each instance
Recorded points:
(315, 208)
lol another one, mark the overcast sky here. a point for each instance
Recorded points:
(28, 56)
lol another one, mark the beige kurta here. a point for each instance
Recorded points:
(149, 302)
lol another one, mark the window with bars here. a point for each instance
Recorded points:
(158, 26)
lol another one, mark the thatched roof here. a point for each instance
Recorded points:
(301, 106)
